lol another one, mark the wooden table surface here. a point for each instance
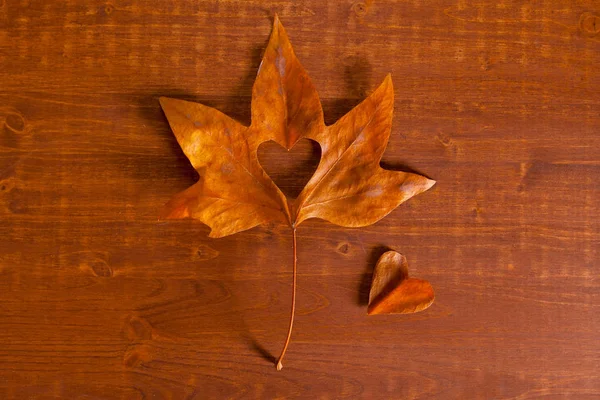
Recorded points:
(497, 101)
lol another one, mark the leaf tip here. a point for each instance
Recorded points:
(167, 104)
(388, 80)
(279, 37)
(163, 100)
(172, 210)
(385, 88)
(429, 184)
(279, 366)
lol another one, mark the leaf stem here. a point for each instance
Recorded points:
(289, 335)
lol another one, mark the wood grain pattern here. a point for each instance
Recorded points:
(497, 101)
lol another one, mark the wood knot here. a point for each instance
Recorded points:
(136, 355)
(137, 328)
(15, 122)
(108, 9)
(6, 185)
(343, 248)
(204, 253)
(589, 24)
(477, 211)
(450, 146)
(100, 268)
(95, 262)
(444, 139)
(360, 9)
(485, 63)
(89, 261)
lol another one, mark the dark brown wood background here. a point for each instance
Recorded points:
(499, 101)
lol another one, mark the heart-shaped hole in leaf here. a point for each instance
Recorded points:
(393, 292)
(290, 170)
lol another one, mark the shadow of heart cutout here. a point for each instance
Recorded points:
(290, 170)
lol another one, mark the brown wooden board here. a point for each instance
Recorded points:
(499, 102)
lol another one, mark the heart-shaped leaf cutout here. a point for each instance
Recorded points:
(290, 169)
(393, 292)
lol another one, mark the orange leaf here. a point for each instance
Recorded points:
(393, 292)
(234, 193)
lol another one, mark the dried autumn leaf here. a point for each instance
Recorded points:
(393, 292)
(234, 193)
